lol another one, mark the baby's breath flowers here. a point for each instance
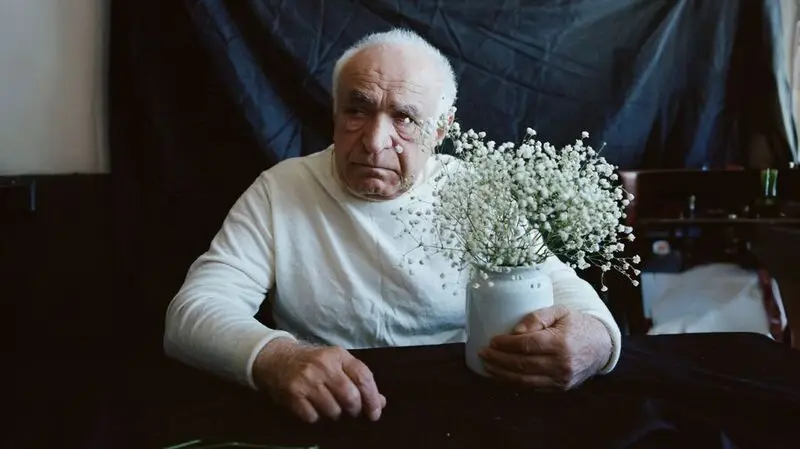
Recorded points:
(496, 207)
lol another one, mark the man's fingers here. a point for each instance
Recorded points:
(324, 402)
(326, 382)
(303, 409)
(541, 319)
(538, 381)
(519, 363)
(545, 341)
(372, 404)
(346, 394)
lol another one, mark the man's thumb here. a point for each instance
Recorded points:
(540, 319)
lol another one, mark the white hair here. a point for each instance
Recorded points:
(404, 37)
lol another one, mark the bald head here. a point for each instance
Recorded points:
(403, 53)
(395, 68)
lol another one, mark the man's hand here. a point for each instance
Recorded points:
(553, 349)
(317, 381)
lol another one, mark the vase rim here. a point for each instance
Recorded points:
(515, 270)
(521, 267)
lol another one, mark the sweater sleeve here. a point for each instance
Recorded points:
(577, 294)
(210, 323)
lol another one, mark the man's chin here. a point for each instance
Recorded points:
(377, 189)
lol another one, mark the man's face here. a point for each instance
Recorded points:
(386, 93)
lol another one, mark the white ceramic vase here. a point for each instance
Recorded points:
(498, 305)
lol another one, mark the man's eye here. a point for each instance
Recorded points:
(405, 118)
(355, 112)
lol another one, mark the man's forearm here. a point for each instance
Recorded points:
(216, 336)
(577, 294)
(604, 343)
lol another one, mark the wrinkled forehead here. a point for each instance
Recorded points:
(391, 75)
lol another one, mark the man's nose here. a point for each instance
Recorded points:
(378, 135)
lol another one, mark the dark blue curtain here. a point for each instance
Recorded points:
(205, 94)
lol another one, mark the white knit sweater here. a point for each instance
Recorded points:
(333, 265)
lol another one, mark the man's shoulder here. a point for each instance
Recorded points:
(442, 162)
(298, 168)
(446, 159)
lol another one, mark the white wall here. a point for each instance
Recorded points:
(52, 86)
(791, 42)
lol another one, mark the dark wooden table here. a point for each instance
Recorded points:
(703, 390)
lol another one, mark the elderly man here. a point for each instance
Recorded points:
(317, 233)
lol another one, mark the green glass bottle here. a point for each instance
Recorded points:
(766, 205)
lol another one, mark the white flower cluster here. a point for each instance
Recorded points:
(502, 206)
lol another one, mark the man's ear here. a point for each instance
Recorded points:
(335, 118)
(440, 132)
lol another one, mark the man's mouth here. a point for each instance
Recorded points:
(372, 167)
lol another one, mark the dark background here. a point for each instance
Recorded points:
(206, 94)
